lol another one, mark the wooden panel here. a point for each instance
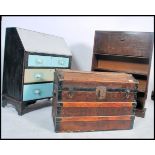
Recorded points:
(38, 75)
(93, 126)
(124, 43)
(142, 85)
(79, 96)
(93, 118)
(86, 84)
(55, 97)
(13, 65)
(126, 67)
(97, 104)
(95, 109)
(93, 79)
(92, 123)
(70, 75)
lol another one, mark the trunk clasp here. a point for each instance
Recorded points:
(101, 92)
(127, 93)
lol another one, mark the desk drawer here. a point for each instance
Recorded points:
(38, 75)
(47, 61)
(37, 91)
(60, 62)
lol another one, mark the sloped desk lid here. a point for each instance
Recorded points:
(43, 43)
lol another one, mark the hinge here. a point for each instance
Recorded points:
(70, 93)
(60, 83)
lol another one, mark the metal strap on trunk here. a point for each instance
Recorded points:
(100, 91)
(94, 89)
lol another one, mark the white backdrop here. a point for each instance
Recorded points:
(79, 33)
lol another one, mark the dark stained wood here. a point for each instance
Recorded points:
(128, 52)
(24, 107)
(55, 98)
(13, 65)
(140, 101)
(152, 95)
(123, 43)
(140, 112)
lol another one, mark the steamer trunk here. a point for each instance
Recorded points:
(89, 101)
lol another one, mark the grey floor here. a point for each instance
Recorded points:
(38, 124)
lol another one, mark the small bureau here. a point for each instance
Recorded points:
(30, 60)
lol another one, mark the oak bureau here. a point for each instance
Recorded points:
(30, 60)
(127, 52)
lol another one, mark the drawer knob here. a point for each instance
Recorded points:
(61, 62)
(39, 61)
(37, 91)
(38, 76)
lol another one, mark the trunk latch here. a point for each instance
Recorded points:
(101, 92)
(127, 93)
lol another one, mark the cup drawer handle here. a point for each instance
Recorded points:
(39, 61)
(38, 76)
(37, 91)
(61, 62)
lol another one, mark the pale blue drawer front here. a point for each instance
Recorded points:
(47, 61)
(39, 61)
(60, 62)
(37, 91)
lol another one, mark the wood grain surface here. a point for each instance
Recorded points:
(80, 124)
